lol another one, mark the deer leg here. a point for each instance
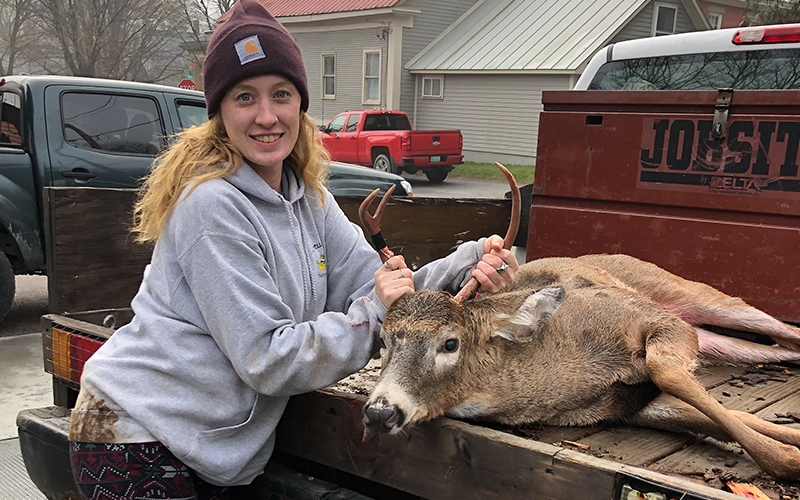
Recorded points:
(740, 351)
(700, 304)
(671, 414)
(671, 350)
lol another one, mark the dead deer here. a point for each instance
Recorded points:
(577, 341)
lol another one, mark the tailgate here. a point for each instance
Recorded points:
(435, 142)
(640, 173)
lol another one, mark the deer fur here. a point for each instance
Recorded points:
(577, 341)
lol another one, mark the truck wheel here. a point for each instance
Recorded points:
(436, 176)
(385, 164)
(7, 285)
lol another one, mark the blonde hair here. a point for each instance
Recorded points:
(205, 152)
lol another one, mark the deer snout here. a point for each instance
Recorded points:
(381, 416)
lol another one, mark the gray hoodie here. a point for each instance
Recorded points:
(250, 298)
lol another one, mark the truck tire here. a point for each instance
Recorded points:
(7, 285)
(384, 163)
(436, 176)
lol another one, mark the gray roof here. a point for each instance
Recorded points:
(527, 35)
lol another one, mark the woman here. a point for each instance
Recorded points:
(259, 287)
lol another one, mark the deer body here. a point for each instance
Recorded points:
(576, 342)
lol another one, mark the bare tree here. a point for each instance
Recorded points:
(202, 16)
(121, 39)
(15, 15)
(759, 12)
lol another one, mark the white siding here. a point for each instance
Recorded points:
(348, 46)
(433, 19)
(498, 115)
(641, 26)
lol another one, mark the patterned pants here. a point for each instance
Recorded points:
(136, 471)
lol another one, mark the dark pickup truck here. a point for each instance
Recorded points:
(65, 131)
(84, 132)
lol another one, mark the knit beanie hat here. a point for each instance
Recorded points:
(251, 42)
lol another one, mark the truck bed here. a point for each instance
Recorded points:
(321, 432)
(453, 459)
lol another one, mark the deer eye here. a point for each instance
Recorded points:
(451, 345)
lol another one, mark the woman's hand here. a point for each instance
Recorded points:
(392, 280)
(497, 266)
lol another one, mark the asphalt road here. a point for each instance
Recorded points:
(455, 188)
(30, 301)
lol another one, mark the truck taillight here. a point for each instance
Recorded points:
(460, 141)
(65, 352)
(760, 34)
(405, 143)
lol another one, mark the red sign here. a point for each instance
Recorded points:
(187, 84)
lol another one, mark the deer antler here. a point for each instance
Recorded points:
(373, 226)
(372, 223)
(472, 285)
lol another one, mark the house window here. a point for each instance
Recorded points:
(664, 20)
(715, 18)
(432, 87)
(372, 77)
(328, 76)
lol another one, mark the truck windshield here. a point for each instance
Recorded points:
(386, 121)
(748, 70)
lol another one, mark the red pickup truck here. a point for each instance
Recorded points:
(384, 140)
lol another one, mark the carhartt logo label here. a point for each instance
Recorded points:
(249, 50)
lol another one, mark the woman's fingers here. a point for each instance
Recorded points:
(497, 266)
(392, 280)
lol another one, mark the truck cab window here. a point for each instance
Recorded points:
(113, 123)
(386, 121)
(337, 124)
(191, 114)
(747, 70)
(352, 123)
(10, 120)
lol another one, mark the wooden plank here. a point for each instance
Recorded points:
(448, 459)
(442, 459)
(557, 435)
(635, 445)
(708, 455)
(764, 398)
(425, 229)
(662, 450)
(712, 376)
(756, 397)
(94, 263)
(788, 404)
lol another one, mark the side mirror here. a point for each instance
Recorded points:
(323, 128)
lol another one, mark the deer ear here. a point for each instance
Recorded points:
(528, 320)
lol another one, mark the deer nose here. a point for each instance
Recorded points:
(382, 416)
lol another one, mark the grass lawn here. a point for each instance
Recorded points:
(488, 171)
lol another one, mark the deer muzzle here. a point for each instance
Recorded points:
(380, 416)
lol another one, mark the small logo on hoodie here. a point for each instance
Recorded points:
(249, 50)
(321, 263)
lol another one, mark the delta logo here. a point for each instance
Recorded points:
(249, 50)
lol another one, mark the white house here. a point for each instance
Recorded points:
(475, 65)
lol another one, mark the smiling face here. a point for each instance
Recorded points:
(261, 115)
